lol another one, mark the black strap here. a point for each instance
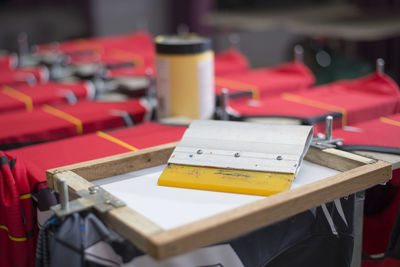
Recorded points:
(4, 161)
(382, 149)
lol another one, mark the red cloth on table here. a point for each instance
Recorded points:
(230, 61)
(266, 81)
(142, 67)
(45, 93)
(23, 75)
(140, 39)
(39, 158)
(18, 231)
(8, 61)
(137, 48)
(110, 49)
(381, 132)
(361, 99)
(39, 125)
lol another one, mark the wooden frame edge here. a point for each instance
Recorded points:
(161, 244)
(118, 164)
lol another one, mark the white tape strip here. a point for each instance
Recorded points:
(329, 219)
(339, 208)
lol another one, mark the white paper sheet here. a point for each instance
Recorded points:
(171, 207)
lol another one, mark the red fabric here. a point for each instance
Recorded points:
(269, 81)
(39, 158)
(44, 93)
(39, 125)
(372, 133)
(141, 68)
(377, 228)
(138, 48)
(110, 49)
(363, 99)
(23, 75)
(16, 215)
(139, 39)
(387, 262)
(230, 61)
(276, 106)
(8, 61)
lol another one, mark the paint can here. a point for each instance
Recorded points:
(184, 77)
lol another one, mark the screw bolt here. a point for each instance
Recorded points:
(93, 189)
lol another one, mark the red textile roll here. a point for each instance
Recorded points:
(39, 158)
(25, 97)
(350, 101)
(266, 82)
(18, 231)
(56, 122)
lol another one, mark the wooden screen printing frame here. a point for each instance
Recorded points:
(358, 173)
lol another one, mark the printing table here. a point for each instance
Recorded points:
(152, 233)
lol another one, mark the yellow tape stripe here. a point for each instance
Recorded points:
(125, 55)
(25, 196)
(389, 121)
(255, 92)
(116, 140)
(86, 45)
(65, 116)
(317, 104)
(13, 238)
(11, 92)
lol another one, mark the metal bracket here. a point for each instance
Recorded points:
(323, 143)
(224, 115)
(95, 197)
(328, 141)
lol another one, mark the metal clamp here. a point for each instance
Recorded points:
(298, 52)
(95, 197)
(224, 105)
(328, 141)
(380, 66)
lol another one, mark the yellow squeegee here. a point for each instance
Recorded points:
(267, 163)
(225, 180)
